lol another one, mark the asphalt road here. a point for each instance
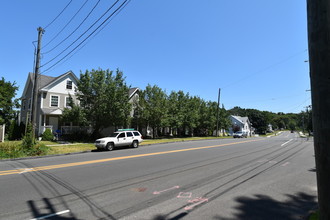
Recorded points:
(249, 178)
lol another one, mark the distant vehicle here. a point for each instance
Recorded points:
(123, 137)
(240, 134)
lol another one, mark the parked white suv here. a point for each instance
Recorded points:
(123, 137)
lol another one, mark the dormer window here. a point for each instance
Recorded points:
(68, 84)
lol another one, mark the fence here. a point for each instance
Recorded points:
(2, 133)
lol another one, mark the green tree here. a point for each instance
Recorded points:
(153, 105)
(191, 114)
(74, 114)
(7, 101)
(224, 121)
(104, 97)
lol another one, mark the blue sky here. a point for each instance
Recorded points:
(253, 50)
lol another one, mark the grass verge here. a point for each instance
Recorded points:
(13, 149)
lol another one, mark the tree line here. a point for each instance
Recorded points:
(103, 101)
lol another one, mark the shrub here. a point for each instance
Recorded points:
(38, 150)
(15, 131)
(28, 141)
(47, 135)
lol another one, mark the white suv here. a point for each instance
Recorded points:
(123, 137)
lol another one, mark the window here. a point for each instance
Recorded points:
(68, 100)
(30, 103)
(68, 84)
(136, 133)
(24, 104)
(54, 101)
(122, 135)
(129, 134)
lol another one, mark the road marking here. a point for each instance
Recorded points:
(197, 201)
(165, 190)
(286, 142)
(25, 170)
(51, 215)
(185, 195)
(57, 166)
(285, 164)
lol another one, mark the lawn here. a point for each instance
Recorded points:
(12, 149)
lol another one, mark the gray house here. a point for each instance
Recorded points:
(53, 97)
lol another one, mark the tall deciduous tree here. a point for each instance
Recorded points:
(104, 97)
(7, 104)
(153, 102)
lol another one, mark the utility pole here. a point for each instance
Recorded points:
(218, 113)
(318, 17)
(35, 84)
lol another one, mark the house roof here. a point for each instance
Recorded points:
(45, 81)
(240, 119)
(132, 92)
(48, 81)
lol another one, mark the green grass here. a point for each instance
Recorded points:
(13, 149)
(70, 148)
(166, 140)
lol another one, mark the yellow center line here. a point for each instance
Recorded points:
(50, 167)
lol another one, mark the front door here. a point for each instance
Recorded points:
(54, 122)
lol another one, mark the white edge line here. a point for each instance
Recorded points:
(286, 142)
(51, 215)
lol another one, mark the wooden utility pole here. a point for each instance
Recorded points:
(318, 17)
(35, 84)
(218, 113)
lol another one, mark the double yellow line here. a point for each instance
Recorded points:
(50, 167)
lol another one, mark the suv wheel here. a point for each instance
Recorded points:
(109, 146)
(135, 144)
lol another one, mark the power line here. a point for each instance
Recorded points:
(112, 14)
(76, 27)
(58, 15)
(65, 25)
(92, 36)
(267, 68)
(83, 33)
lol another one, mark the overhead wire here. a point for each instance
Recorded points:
(58, 15)
(112, 14)
(83, 33)
(65, 26)
(83, 21)
(92, 36)
(266, 68)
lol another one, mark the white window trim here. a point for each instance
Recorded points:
(58, 101)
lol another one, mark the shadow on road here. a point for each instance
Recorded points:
(50, 213)
(264, 207)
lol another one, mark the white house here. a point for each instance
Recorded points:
(53, 97)
(240, 124)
